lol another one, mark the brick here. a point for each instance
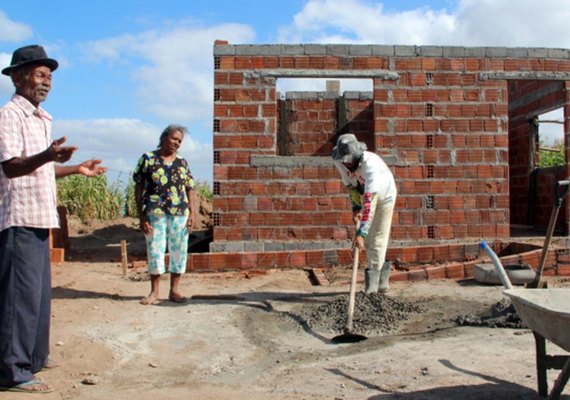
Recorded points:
(436, 272)
(397, 276)
(564, 269)
(419, 274)
(200, 262)
(455, 271)
(57, 255)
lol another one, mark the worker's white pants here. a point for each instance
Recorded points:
(376, 242)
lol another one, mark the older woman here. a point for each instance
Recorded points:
(164, 198)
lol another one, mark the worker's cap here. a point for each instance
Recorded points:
(30, 55)
(348, 148)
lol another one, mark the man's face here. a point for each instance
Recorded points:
(34, 84)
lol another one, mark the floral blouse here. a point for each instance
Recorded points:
(165, 185)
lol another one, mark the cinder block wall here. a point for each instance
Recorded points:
(438, 115)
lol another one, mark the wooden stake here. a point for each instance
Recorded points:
(124, 257)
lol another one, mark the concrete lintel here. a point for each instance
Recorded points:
(233, 247)
(453, 51)
(315, 50)
(388, 50)
(406, 51)
(291, 161)
(329, 246)
(559, 53)
(538, 53)
(292, 49)
(431, 51)
(357, 95)
(382, 50)
(475, 52)
(325, 73)
(517, 52)
(303, 161)
(254, 246)
(224, 50)
(249, 50)
(311, 95)
(338, 49)
(528, 75)
(364, 50)
(498, 52)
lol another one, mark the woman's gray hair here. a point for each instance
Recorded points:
(168, 130)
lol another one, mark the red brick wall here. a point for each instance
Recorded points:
(439, 116)
(531, 188)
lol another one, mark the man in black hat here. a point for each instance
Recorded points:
(29, 163)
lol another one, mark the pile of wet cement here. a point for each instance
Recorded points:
(373, 313)
(500, 315)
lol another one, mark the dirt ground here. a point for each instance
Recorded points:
(252, 337)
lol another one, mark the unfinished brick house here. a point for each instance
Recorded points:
(458, 126)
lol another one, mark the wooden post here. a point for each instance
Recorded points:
(124, 257)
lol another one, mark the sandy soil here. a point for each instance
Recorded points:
(247, 337)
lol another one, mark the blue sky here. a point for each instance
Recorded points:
(128, 68)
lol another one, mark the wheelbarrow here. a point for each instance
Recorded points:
(547, 313)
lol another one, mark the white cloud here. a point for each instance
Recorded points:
(11, 31)
(6, 86)
(172, 68)
(120, 143)
(502, 23)
(526, 23)
(354, 21)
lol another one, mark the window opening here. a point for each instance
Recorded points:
(550, 128)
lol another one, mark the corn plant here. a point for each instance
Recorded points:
(90, 198)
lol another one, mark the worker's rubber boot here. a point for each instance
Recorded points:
(371, 280)
(384, 283)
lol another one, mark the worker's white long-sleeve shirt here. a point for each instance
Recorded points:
(371, 183)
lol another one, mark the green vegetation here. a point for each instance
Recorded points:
(130, 204)
(203, 190)
(93, 198)
(90, 198)
(551, 156)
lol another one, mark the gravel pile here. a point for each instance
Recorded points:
(373, 314)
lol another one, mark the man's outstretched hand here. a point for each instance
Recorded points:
(91, 168)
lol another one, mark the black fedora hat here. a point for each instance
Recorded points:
(27, 55)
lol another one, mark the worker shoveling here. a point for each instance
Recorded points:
(372, 191)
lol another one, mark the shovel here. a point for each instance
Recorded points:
(560, 190)
(348, 336)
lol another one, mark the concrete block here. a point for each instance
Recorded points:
(382, 50)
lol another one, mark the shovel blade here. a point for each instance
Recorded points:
(348, 337)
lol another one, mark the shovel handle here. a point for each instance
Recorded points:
(352, 294)
(560, 191)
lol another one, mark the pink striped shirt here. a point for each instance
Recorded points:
(30, 200)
